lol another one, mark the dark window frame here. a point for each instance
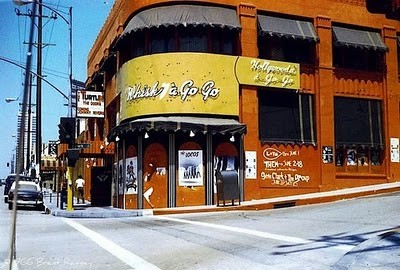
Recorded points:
(358, 59)
(290, 50)
(358, 122)
(215, 40)
(278, 107)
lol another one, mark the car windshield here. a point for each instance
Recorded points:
(28, 187)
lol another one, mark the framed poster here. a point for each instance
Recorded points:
(394, 150)
(190, 167)
(327, 154)
(251, 164)
(351, 157)
(131, 175)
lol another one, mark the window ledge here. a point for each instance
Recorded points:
(341, 175)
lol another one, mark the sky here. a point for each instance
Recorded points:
(88, 16)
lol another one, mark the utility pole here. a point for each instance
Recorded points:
(28, 140)
(39, 90)
(39, 46)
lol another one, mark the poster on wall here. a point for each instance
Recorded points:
(394, 150)
(114, 179)
(120, 177)
(351, 157)
(251, 165)
(362, 158)
(190, 167)
(327, 154)
(131, 175)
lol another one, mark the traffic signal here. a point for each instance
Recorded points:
(66, 131)
(72, 157)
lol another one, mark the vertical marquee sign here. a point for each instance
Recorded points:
(89, 104)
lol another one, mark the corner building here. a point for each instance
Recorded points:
(294, 96)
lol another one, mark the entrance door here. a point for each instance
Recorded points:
(101, 187)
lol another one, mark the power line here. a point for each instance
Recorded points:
(49, 71)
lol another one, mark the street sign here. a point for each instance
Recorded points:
(82, 145)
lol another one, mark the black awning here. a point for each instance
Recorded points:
(358, 39)
(184, 123)
(281, 27)
(176, 15)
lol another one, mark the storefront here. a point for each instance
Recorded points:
(173, 159)
(293, 103)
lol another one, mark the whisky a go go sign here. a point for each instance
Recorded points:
(283, 168)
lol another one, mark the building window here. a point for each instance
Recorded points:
(398, 55)
(358, 133)
(295, 110)
(358, 49)
(356, 58)
(223, 42)
(161, 40)
(138, 47)
(179, 39)
(288, 50)
(192, 39)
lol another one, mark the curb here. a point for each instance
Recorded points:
(263, 204)
(96, 212)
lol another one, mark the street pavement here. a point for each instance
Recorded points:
(379, 252)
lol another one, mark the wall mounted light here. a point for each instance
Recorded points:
(232, 139)
(191, 134)
(146, 135)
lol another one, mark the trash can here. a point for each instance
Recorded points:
(227, 186)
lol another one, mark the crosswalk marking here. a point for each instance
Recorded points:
(124, 255)
(267, 235)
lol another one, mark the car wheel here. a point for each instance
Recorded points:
(6, 200)
(10, 206)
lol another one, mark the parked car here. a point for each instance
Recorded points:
(10, 179)
(29, 194)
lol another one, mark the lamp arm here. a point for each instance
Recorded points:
(34, 73)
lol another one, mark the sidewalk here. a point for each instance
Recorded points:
(380, 251)
(85, 210)
(88, 211)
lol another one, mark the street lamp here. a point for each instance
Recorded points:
(29, 130)
(39, 69)
(8, 100)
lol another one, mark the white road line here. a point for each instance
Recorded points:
(124, 255)
(284, 238)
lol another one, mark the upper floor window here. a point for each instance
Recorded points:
(180, 28)
(287, 40)
(161, 40)
(358, 49)
(297, 51)
(193, 39)
(398, 54)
